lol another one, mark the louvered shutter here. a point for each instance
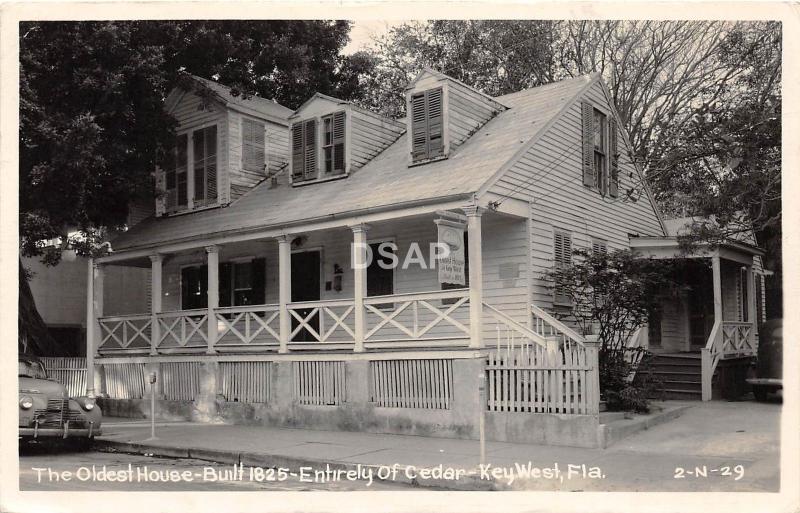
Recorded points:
(589, 174)
(211, 163)
(435, 123)
(599, 247)
(419, 127)
(338, 143)
(562, 256)
(298, 156)
(310, 149)
(198, 140)
(613, 183)
(253, 146)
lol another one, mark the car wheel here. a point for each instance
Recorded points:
(760, 393)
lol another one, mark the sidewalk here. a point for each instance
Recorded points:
(710, 435)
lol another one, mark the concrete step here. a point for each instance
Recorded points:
(672, 375)
(610, 416)
(690, 386)
(619, 428)
(686, 395)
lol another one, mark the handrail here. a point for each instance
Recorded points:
(511, 323)
(247, 308)
(125, 317)
(320, 304)
(558, 325)
(183, 313)
(416, 296)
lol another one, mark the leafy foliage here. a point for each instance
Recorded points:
(612, 295)
(92, 125)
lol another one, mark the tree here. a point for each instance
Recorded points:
(612, 295)
(92, 124)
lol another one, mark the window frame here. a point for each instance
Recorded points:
(265, 165)
(424, 93)
(379, 241)
(601, 152)
(204, 200)
(190, 204)
(320, 146)
(232, 291)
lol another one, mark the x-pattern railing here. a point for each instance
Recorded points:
(182, 326)
(124, 329)
(247, 323)
(736, 338)
(329, 319)
(415, 303)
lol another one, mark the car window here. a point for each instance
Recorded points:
(32, 370)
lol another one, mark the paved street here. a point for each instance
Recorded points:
(715, 446)
(59, 460)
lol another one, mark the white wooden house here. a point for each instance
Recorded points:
(259, 309)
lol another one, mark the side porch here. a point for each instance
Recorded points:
(705, 334)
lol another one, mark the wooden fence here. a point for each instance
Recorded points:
(320, 383)
(533, 379)
(412, 383)
(246, 382)
(124, 380)
(69, 371)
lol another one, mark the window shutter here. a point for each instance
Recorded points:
(419, 127)
(589, 175)
(310, 149)
(435, 123)
(562, 256)
(613, 184)
(253, 146)
(199, 159)
(338, 142)
(298, 156)
(259, 284)
(175, 177)
(599, 247)
(211, 163)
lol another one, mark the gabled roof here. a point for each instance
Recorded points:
(385, 181)
(252, 104)
(441, 76)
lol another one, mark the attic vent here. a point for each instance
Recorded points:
(426, 125)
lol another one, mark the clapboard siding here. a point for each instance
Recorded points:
(276, 139)
(549, 176)
(370, 134)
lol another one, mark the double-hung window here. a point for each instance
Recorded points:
(333, 128)
(175, 176)
(600, 152)
(241, 283)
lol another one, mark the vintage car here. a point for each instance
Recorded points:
(47, 411)
(767, 376)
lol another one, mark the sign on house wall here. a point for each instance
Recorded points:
(451, 264)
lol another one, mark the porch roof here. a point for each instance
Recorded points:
(669, 247)
(387, 181)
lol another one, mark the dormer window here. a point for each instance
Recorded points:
(205, 166)
(175, 176)
(333, 143)
(332, 161)
(427, 125)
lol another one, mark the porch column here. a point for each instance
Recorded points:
(752, 314)
(284, 291)
(717, 275)
(359, 261)
(212, 263)
(156, 262)
(94, 310)
(474, 214)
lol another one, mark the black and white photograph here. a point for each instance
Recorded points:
(264, 253)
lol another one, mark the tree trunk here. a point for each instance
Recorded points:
(34, 338)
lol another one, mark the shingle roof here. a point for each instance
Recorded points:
(254, 102)
(384, 181)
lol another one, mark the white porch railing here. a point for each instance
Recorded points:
(548, 326)
(243, 327)
(728, 339)
(126, 333)
(510, 333)
(327, 322)
(182, 330)
(413, 320)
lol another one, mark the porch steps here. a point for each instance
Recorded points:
(680, 374)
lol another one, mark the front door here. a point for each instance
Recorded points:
(306, 284)
(701, 308)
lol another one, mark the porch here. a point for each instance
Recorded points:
(710, 322)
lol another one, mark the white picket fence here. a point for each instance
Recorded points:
(533, 379)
